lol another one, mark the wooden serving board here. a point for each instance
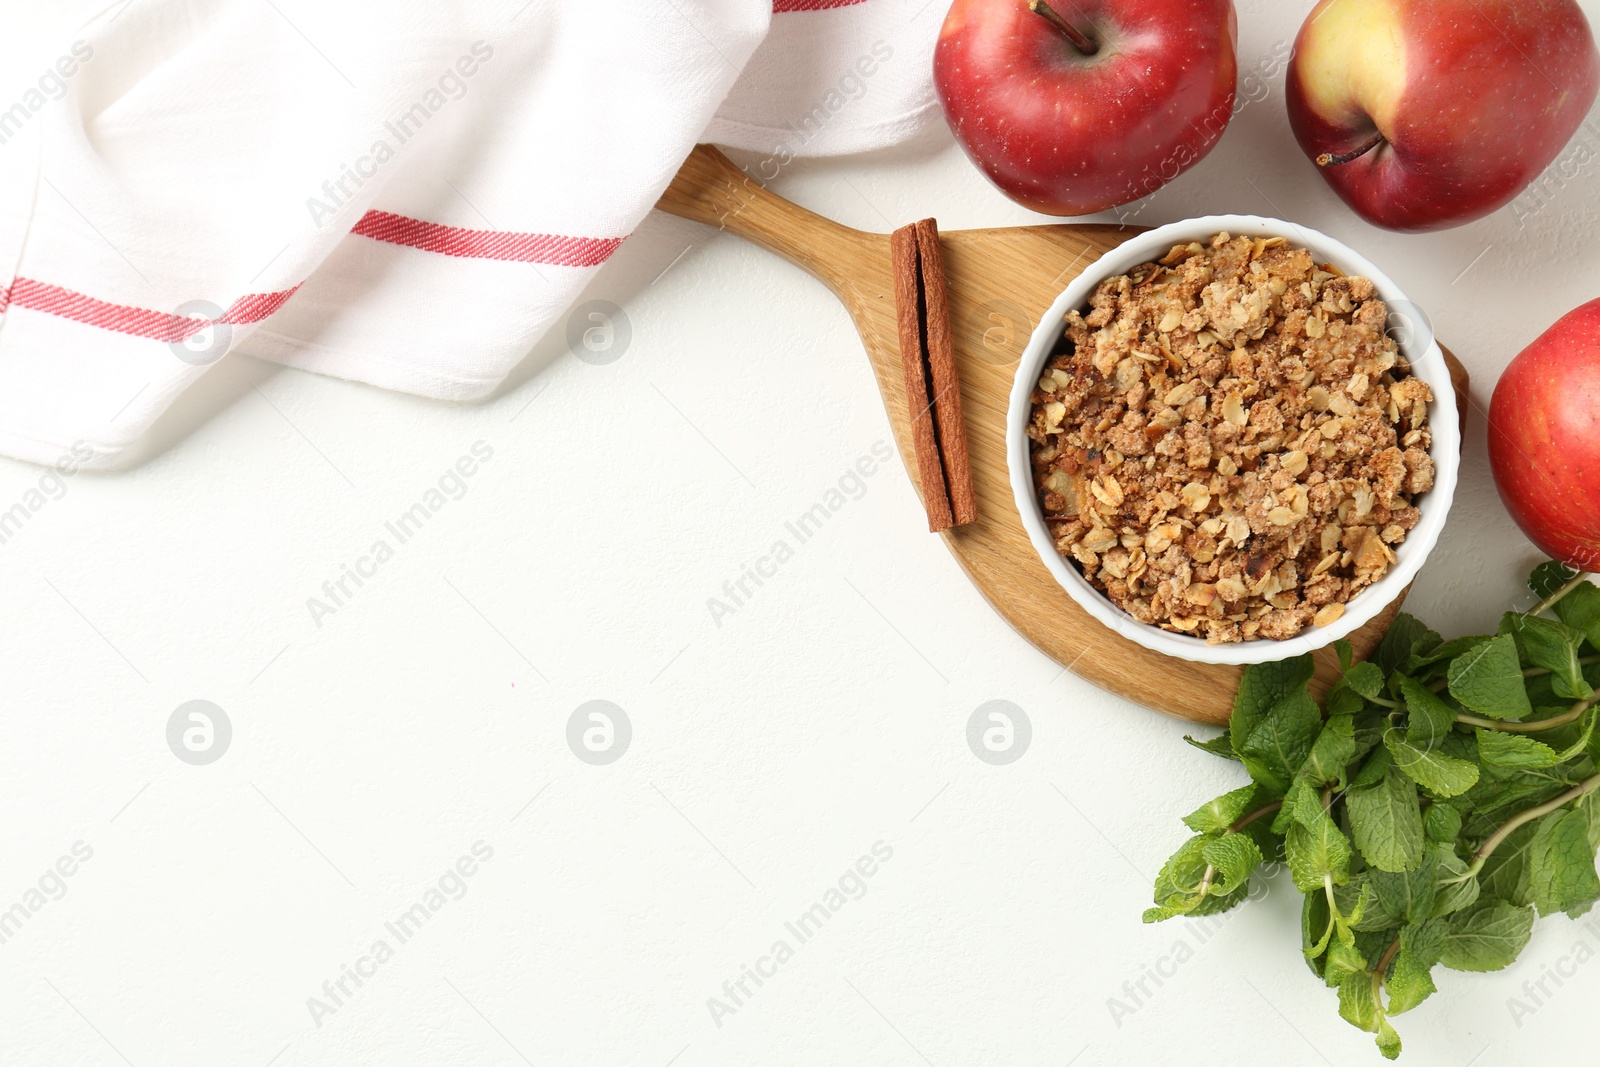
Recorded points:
(1000, 282)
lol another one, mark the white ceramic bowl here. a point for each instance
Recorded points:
(1417, 346)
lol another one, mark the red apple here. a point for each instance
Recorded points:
(1544, 439)
(1073, 106)
(1424, 114)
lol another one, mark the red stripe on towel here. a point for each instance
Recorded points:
(139, 322)
(487, 244)
(782, 7)
(377, 225)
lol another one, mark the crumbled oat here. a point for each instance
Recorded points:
(1229, 445)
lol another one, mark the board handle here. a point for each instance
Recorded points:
(711, 189)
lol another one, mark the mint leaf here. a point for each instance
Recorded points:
(1358, 901)
(1549, 576)
(1373, 770)
(1376, 921)
(1177, 888)
(1281, 740)
(1234, 856)
(1459, 745)
(1315, 852)
(1386, 820)
(1439, 774)
(1488, 938)
(1488, 680)
(1450, 650)
(1441, 824)
(1176, 885)
(1358, 897)
(1221, 745)
(1405, 635)
(1332, 752)
(1528, 754)
(1410, 895)
(1455, 889)
(1365, 678)
(1343, 702)
(1341, 960)
(1505, 873)
(1303, 804)
(1214, 904)
(1487, 804)
(1581, 743)
(1589, 804)
(1430, 718)
(1409, 984)
(1223, 812)
(1410, 981)
(1338, 948)
(1182, 872)
(1580, 609)
(1358, 1005)
(1314, 928)
(1374, 943)
(1388, 1039)
(1370, 724)
(1263, 687)
(1514, 752)
(1553, 646)
(1561, 872)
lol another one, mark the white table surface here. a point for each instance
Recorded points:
(768, 753)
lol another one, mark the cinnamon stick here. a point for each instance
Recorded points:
(910, 298)
(945, 383)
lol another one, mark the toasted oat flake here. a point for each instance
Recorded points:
(1267, 442)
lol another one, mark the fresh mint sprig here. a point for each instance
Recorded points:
(1445, 794)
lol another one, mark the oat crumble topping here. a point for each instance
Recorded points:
(1228, 444)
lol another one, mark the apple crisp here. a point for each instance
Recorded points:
(1228, 444)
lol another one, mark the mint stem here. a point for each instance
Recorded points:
(1378, 969)
(1540, 672)
(1516, 822)
(1555, 598)
(1251, 816)
(1387, 958)
(1571, 715)
(1530, 672)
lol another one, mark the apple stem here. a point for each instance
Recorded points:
(1079, 39)
(1328, 159)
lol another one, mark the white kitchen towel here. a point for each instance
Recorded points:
(408, 198)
